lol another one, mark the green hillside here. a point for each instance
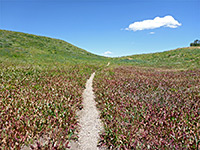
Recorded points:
(188, 57)
(17, 47)
(28, 48)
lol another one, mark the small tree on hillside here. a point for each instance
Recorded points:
(195, 43)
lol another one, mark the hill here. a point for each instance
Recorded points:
(17, 47)
(28, 48)
(188, 57)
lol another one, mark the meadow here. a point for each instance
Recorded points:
(148, 101)
(149, 108)
(37, 102)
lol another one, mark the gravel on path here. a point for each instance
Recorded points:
(89, 120)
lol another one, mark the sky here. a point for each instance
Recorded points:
(107, 27)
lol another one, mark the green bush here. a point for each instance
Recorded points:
(195, 43)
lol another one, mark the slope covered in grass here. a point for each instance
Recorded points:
(28, 48)
(188, 57)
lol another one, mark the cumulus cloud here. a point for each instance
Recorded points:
(167, 21)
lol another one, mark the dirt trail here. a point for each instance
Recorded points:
(108, 64)
(90, 124)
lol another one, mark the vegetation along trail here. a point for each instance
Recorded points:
(89, 119)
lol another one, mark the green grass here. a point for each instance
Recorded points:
(187, 58)
(32, 49)
(17, 47)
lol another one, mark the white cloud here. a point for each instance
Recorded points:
(167, 21)
(107, 53)
(151, 32)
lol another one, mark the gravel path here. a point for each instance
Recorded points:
(108, 64)
(89, 120)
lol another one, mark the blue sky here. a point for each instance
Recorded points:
(100, 26)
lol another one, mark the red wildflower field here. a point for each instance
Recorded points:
(149, 108)
(37, 102)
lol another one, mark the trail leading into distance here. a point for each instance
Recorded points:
(89, 120)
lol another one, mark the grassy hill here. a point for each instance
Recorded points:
(20, 47)
(188, 57)
(28, 48)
